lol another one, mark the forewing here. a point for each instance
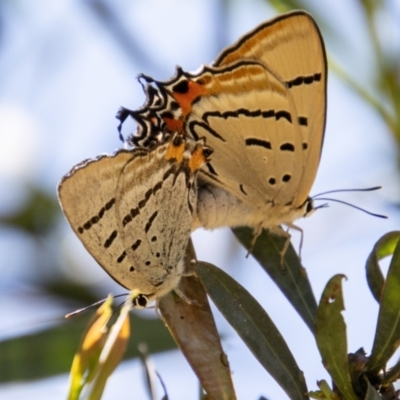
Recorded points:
(292, 47)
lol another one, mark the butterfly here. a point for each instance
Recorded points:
(261, 106)
(133, 211)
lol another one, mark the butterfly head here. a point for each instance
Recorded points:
(140, 301)
(309, 207)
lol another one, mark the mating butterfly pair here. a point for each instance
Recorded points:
(261, 108)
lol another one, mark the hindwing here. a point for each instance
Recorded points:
(133, 211)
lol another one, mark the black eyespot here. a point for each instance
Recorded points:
(178, 140)
(148, 263)
(207, 151)
(131, 269)
(286, 178)
(272, 181)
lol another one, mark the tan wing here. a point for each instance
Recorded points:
(116, 206)
(249, 119)
(133, 211)
(168, 201)
(92, 204)
(278, 68)
(293, 49)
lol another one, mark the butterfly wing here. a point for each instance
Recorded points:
(262, 108)
(168, 200)
(133, 213)
(292, 47)
(248, 118)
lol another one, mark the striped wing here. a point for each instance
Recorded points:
(261, 106)
(250, 121)
(291, 46)
(133, 213)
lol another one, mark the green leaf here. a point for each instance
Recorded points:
(393, 374)
(357, 366)
(371, 394)
(255, 328)
(38, 215)
(292, 279)
(112, 352)
(330, 331)
(87, 355)
(26, 358)
(326, 393)
(384, 247)
(193, 328)
(286, 5)
(387, 336)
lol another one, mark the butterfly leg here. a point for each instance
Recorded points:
(257, 232)
(185, 298)
(298, 229)
(277, 230)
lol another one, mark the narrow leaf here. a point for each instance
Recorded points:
(192, 325)
(87, 356)
(152, 376)
(25, 357)
(290, 277)
(255, 328)
(371, 394)
(393, 374)
(112, 352)
(387, 336)
(330, 331)
(384, 247)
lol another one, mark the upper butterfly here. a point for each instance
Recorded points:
(133, 211)
(262, 106)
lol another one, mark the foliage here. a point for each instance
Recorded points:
(357, 374)
(354, 376)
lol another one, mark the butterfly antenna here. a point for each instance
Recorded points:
(352, 205)
(347, 190)
(119, 306)
(326, 205)
(97, 303)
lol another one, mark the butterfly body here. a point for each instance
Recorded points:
(217, 207)
(262, 107)
(133, 212)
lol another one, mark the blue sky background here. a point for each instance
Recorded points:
(64, 76)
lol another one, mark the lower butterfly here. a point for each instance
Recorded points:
(133, 211)
(262, 107)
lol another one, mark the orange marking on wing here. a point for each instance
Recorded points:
(197, 160)
(185, 100)
(174, 124)
(175, 151)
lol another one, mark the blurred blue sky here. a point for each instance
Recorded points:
(64, 74)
